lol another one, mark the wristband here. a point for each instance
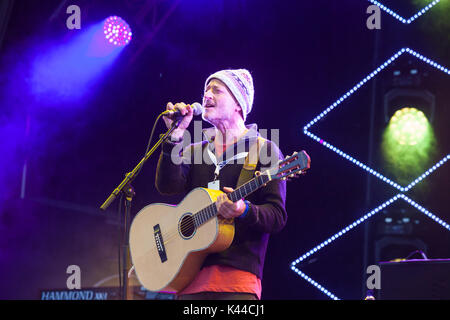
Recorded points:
(247, 207)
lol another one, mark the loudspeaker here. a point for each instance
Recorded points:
(427, 279)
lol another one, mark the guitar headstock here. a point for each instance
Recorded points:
(291, 167)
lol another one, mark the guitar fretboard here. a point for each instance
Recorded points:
(211, 211)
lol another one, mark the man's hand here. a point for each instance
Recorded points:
(187, 111)
(227, 208)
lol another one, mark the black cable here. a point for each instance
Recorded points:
(417, 251)
(150, 140)
(151, 134)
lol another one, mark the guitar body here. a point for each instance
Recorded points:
(167, 250)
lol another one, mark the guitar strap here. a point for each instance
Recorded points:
(251, 161)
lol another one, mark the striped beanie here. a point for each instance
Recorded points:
(240, 83)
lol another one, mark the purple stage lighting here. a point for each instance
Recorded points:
(117, 31)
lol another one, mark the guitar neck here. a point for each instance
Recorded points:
(249, 187)
(243, 191)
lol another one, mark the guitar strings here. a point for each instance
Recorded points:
(185, 225)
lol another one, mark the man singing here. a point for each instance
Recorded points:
(236, 273)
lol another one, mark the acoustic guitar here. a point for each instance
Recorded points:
(168, 243)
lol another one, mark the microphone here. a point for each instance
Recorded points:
(197, 108)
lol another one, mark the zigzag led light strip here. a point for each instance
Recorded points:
(353, 90)
(352, 226)
(400, 18)
(378, 175)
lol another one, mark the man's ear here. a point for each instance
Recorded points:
(239, 109)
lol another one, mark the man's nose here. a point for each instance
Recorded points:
(208, 95)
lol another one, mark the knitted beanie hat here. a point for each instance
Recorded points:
(240, 83)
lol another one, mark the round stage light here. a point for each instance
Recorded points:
(408, 145)
(408, 126)
(117, 31)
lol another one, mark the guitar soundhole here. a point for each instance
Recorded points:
(186, 227)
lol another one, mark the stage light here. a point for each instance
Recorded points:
(408, 141)
(408, 126)
(408, 144)
(117, 31)
(65, 71)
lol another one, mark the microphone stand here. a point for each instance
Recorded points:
(126, 188)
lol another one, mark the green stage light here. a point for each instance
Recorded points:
(409, 126)
(408, 144)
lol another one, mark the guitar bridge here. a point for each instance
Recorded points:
(159, 243)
